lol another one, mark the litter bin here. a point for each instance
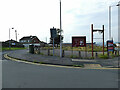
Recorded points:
(31, 49)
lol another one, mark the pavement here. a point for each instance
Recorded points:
(25, 55)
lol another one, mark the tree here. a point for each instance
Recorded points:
(57, 38)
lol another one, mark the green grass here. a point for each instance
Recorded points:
(89, 49)
(41, 53)
(77, 65)
(41, 63)
(12, 48)
(73, 56)
(103, 56)
(35, 61)
(91, 57)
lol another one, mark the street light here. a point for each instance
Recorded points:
(60, 32)
(16, 34)
(110, 19)
(9, 37)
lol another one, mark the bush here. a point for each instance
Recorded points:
(41, 62)
(35, 61)
(103, 56)
(74, 56)
(77, 65)
(41, 54)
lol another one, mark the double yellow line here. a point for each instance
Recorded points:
(13, 59)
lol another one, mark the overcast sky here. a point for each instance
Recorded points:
(36, 17)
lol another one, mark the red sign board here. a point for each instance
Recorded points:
(79, 41)
(110, 45)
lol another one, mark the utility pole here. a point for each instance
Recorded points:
(110, 19)
(9, 38)
(16, 34)
(60, 32)
(109, 22)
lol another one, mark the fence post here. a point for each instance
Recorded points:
(96, 54)
(79, 54)
(48, 52)
(38, 50)
(63, 53)
(115, 52)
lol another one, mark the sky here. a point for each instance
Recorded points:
(36, 17)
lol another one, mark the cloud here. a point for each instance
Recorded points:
(36, 17)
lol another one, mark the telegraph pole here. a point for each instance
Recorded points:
(16, 34)
(60, 32)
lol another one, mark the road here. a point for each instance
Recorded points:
(21, 75)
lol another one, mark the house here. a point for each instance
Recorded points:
(28, 40)
(11, 43)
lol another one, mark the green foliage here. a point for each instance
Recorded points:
(41, 53)
(35, 61)
(41, 62)
(91, 57)
(12, 48)
(77, 65)
(89, 49)
(51, 54)
(103, 56)
(73, 56)
(57, 38)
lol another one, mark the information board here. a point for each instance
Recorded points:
(79, 41)
(110, 46)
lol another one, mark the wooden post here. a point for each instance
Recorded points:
(72, 51)
(96, 55)
(92, 38)
(63, 54)
(79, 54)
(86, 51)
(48, 52)
(103, 39)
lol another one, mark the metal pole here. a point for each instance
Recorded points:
(92, 38)
(16, 34)
(103, 39)
(60, 32)
(109, 22)
(9, 38)
(53, 46)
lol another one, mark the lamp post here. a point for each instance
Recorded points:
(110, 19)
(60, 32)
(16, 34)
(119, 22)
(9, 37)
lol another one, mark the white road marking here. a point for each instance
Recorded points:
(83, 60)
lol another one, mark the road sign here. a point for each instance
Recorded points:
(53, 32)
(79, 41)
(110, 46)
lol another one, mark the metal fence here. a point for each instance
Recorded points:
(67, 53)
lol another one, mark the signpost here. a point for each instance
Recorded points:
(53, 35)
(79, 41)
(110, 46)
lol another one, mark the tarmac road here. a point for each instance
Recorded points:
(21, 75)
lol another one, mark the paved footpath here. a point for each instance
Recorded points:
(24, 54)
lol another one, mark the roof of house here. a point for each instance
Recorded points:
(11, 41)
(28, 37)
